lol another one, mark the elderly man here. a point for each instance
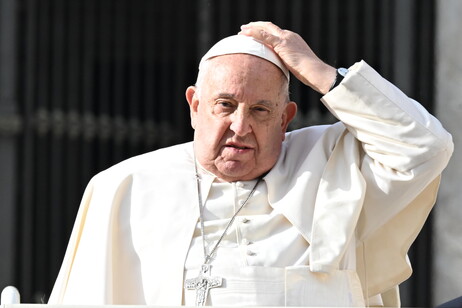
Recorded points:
(248, 214)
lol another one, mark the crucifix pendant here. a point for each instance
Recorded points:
(202, 284)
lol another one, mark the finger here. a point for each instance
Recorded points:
(261, 34)
(265, 25)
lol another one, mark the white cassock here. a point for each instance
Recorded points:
(330, 224)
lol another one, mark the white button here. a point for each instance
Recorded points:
(251, 253)
(245, 242)
(244, 220)
(239, 184)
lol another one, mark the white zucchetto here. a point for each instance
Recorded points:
(244, 44)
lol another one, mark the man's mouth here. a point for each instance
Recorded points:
(238, 146)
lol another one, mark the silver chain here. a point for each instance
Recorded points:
(207, 257)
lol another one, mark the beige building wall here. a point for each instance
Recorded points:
(447, 269)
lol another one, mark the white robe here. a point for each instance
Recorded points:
(370, 179)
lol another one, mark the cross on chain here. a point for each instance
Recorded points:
(202, 284)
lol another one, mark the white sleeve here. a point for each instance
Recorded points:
(405, 147)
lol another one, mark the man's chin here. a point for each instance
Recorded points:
(235, 171)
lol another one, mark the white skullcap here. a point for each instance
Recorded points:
(244, 44)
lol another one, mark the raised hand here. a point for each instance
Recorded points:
(303, 63)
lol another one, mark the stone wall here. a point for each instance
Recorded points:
(447, 269)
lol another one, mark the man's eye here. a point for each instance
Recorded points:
(225, 104)
(223, 107)
(260, 109)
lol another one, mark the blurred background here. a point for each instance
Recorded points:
(85, 84)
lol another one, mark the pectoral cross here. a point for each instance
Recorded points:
(202, 284)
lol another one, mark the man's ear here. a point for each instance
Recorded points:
(193, 102)
(288, 115)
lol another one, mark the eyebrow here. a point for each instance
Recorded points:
(225, 95)
(265, 102)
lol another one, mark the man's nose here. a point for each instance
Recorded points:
(240, 123)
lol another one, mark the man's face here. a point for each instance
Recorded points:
(240, 114)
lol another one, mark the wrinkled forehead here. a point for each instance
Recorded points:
(244, 45)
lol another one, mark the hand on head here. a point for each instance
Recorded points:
(295, 53)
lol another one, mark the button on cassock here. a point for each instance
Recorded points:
(245, 242)
(251, 253)
(243, 220)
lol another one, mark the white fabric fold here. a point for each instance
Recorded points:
(339, 202)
